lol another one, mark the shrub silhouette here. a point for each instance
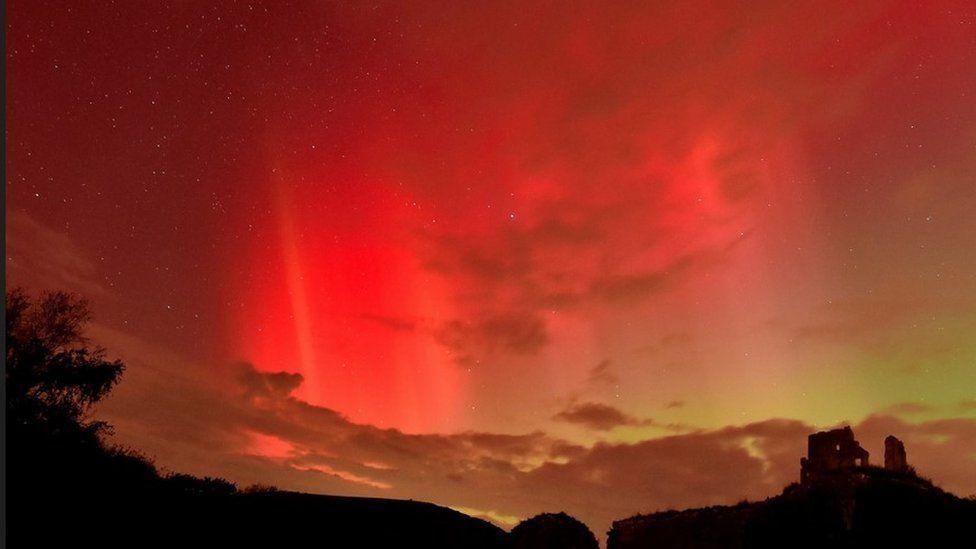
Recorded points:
(552, 531)
(260, 489)
(206, 486)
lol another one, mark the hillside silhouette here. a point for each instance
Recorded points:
(857, 506)
(67, 486)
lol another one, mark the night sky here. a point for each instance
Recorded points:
(509, 257)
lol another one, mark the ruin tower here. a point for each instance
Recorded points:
(830, 452)
(895, 456)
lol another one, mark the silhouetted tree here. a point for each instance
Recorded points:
(53, 374)
(59, 470)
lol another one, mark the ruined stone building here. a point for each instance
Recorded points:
(837, 451)
(831, 451)
(895, 457)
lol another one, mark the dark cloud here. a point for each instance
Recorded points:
(594, 415)
(603, 374)
(619, 287)
(674, 404)
(519, 296)
(603, 417)
(518, 333)
(268, 384)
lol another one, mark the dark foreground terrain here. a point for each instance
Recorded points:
(66, 487)
(94, 499)
(267, 520)
(869, 507)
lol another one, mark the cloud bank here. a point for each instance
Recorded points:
(248, 425)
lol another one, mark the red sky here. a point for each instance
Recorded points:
(503, 257)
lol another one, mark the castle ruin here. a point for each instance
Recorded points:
(831, 451)
(837, 451)
(895, 457)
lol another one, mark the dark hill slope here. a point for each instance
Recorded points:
(273, 519)
(71, 491)
(869, 508)
(352, 521)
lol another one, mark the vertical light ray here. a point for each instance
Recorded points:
(296, 288)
